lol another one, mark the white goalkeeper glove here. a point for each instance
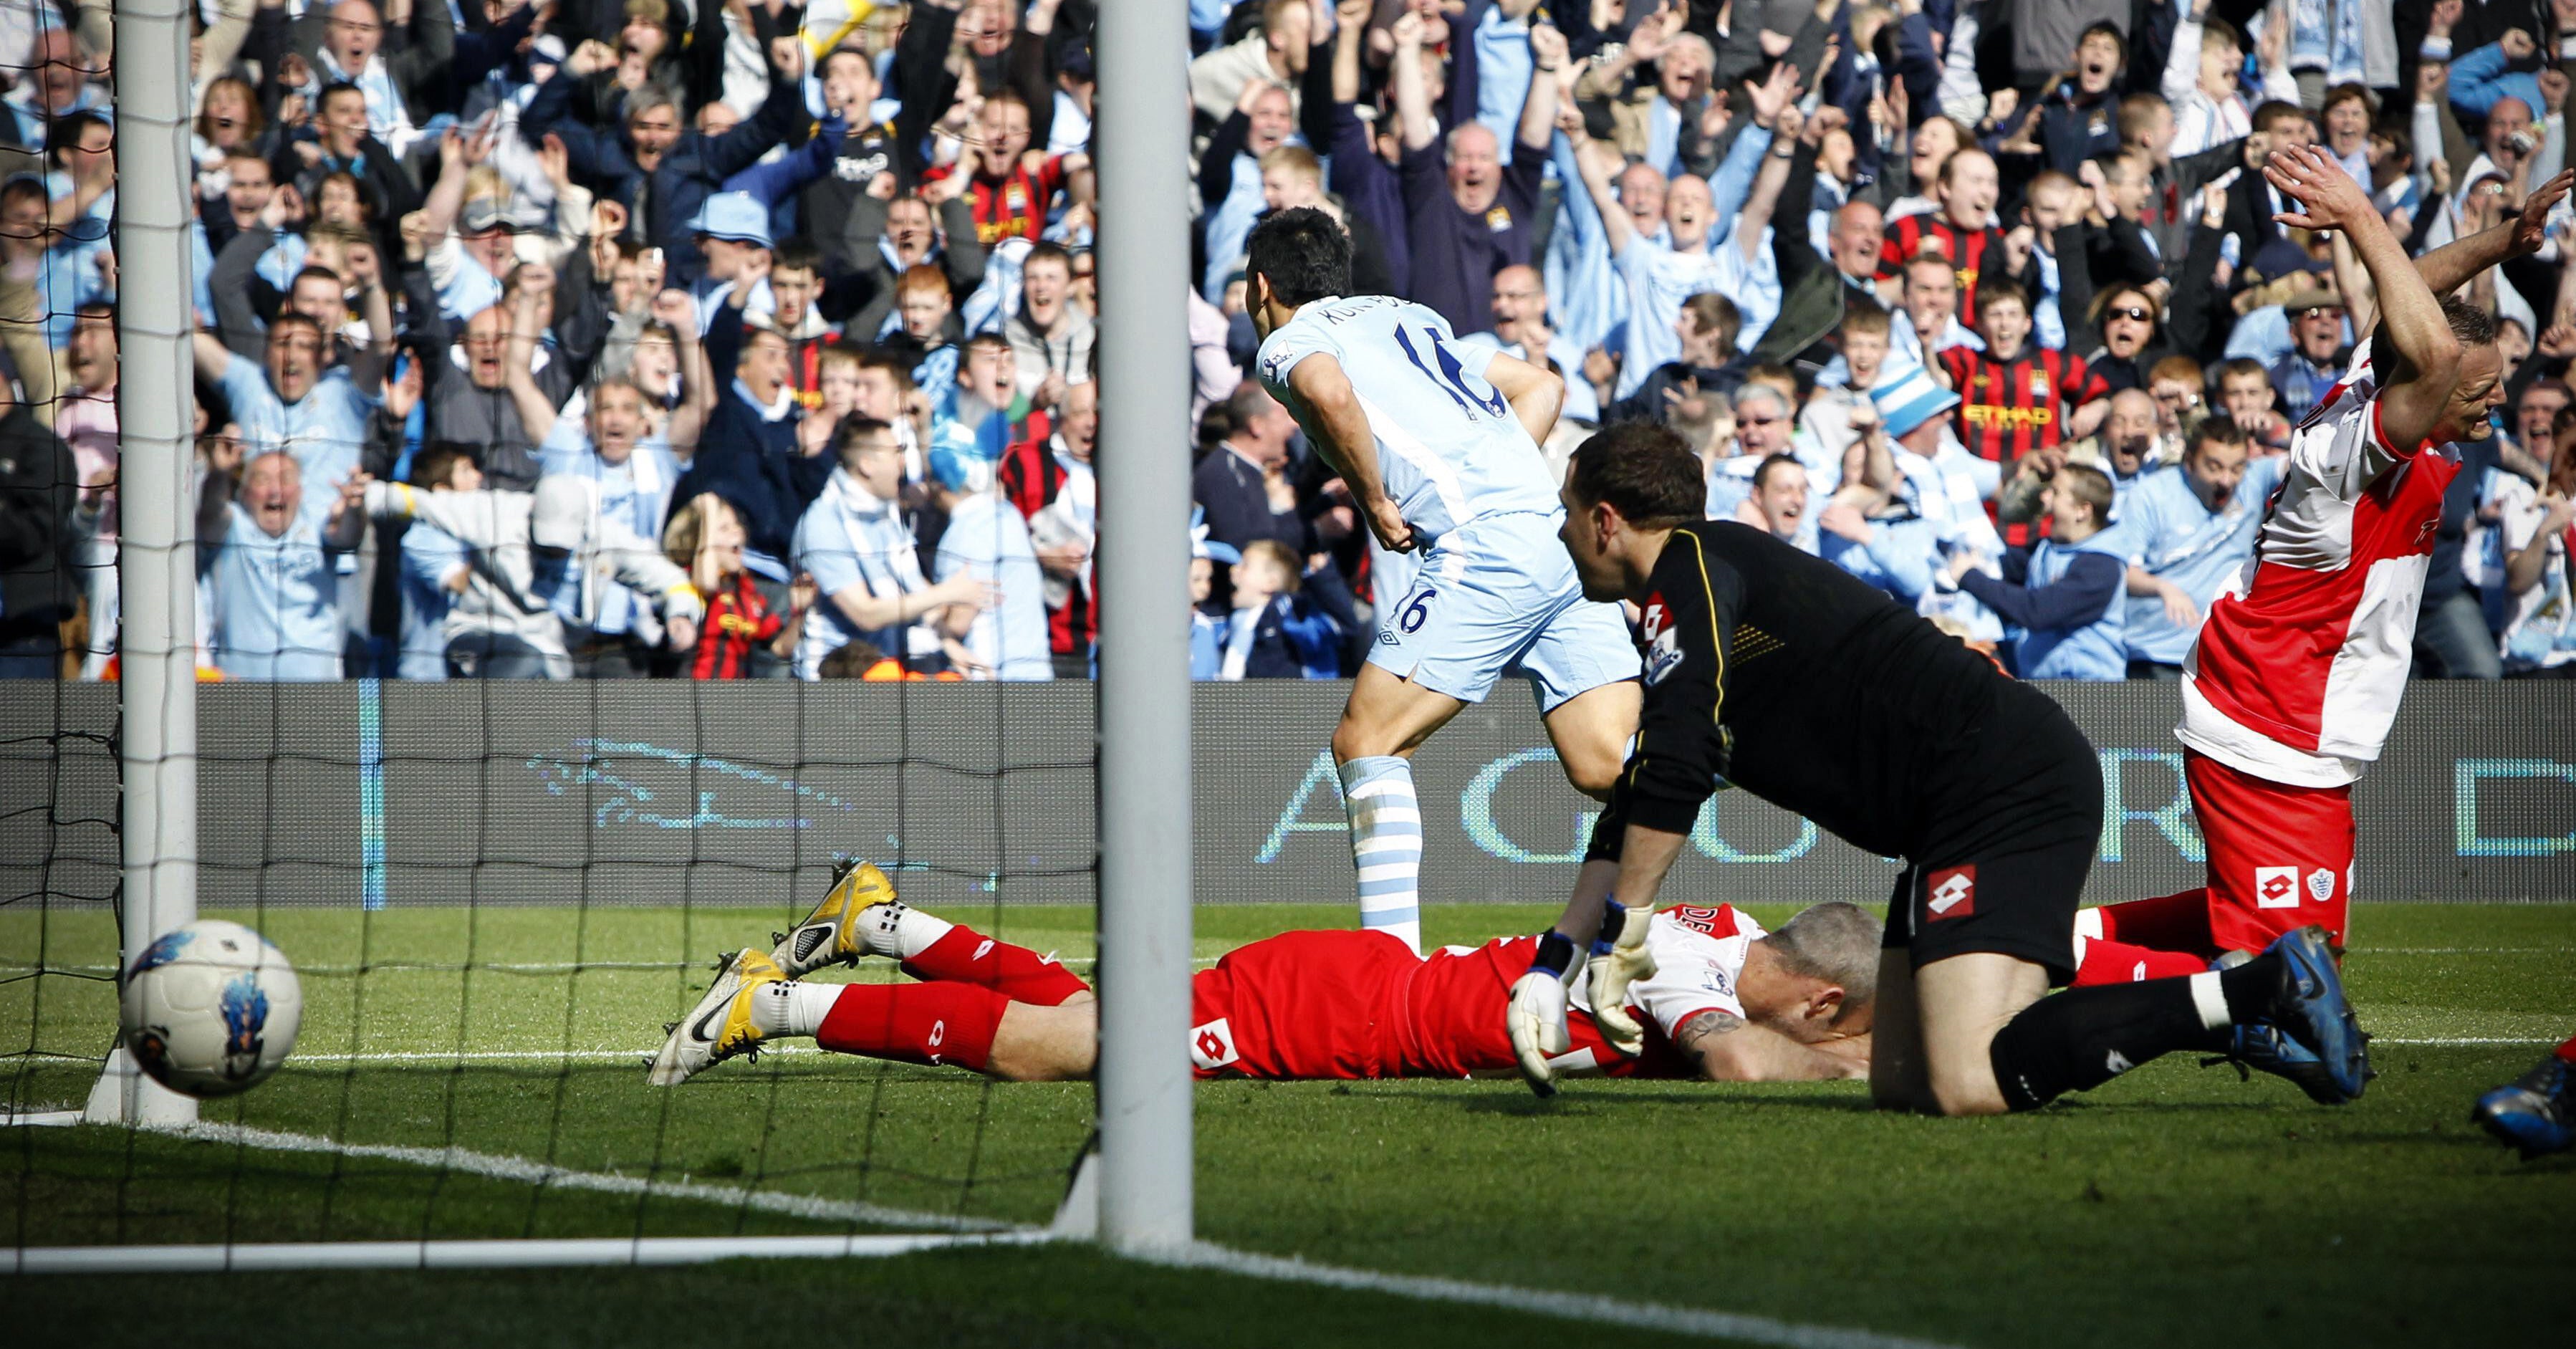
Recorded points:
(1536, 1017)
(1610, 974)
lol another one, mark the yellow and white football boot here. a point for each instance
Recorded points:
(721, 1025)
(857, 918)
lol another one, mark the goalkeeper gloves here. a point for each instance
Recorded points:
(1619, 958)
(1536, 1017)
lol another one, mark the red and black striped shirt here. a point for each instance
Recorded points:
(1015, 205)
(1968, 251)
(735, 619)
(1030, 477)
(2009, 408)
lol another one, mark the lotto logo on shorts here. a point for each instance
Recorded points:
(1950, 893)
(2276, 887)
(1212, 1045)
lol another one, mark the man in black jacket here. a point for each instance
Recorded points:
(1781, 674)
(39, 557)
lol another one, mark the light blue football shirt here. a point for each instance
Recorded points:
(1449, 449)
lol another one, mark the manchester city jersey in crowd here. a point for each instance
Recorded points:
(1448, 446)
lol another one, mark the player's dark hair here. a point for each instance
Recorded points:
(1770, 468)
(2474, 327)
(2216, 429)
(1302, 253)
(1647, 472)
(336, 89)
(1835, 942)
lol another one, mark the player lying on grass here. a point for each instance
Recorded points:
(1791, 679)
(1729, 1001)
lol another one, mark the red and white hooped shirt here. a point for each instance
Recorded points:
(2297, 673)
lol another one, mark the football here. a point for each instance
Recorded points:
(211, 1008)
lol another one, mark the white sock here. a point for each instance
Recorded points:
(916, 932)
(1386, 844)
(2210, 1000)
(793, 1007)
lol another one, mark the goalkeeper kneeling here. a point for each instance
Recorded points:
(1728, 1001)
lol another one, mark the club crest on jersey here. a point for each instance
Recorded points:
(2321, 884)
(2039, 384)
(1950, 893)
(1498, 219)
(1663, 656)
(2276, 887)
(1212, 1045)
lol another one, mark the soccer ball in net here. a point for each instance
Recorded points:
(211, 1008)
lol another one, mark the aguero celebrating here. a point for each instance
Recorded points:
(1785, 676)
(1438, 444)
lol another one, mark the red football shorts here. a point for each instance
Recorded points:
(1359, 1004)
(2280, 857)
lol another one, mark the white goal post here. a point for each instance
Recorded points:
(1135, 1193)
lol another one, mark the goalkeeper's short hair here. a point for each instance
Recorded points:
(1835, 942)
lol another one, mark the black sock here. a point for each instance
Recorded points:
(2250, 987)
(2084, 1037)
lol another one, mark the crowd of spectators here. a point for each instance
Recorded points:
(732, 338)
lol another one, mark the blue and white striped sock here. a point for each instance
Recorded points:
(1386, 843)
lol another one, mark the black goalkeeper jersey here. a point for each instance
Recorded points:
(1782, 674)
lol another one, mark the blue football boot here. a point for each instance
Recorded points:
(2311, 1012)
(2536, 1113)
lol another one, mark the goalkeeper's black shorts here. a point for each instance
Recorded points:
(2003, 865)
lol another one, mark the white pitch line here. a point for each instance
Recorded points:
(634, 1056)
(1588, 1307)
(2461, 1040)
(490, 1254)
(493, 1166)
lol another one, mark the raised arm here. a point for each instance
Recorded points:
(1615, 227)
(1412, 96)
(1329, 410)
(518, 371)
(2423, 358)
(1764, 201)
(1538, 111)
(2449, 267)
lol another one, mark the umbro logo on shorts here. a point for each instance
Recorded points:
(2276, 887)
(1950, 893)
(1212, 1045)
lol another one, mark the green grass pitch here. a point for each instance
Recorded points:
(2177, 1205)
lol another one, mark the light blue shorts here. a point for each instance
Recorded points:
(1498, 596)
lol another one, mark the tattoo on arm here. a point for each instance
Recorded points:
(1693, 1035)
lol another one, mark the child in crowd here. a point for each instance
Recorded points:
(705, 538)
(1279, 631)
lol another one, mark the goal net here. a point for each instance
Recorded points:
(495, 893)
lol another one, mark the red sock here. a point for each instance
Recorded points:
(2567, 1051)
(1016, 972)
(2111, 962)
(942, 1023)
(2166, 923)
